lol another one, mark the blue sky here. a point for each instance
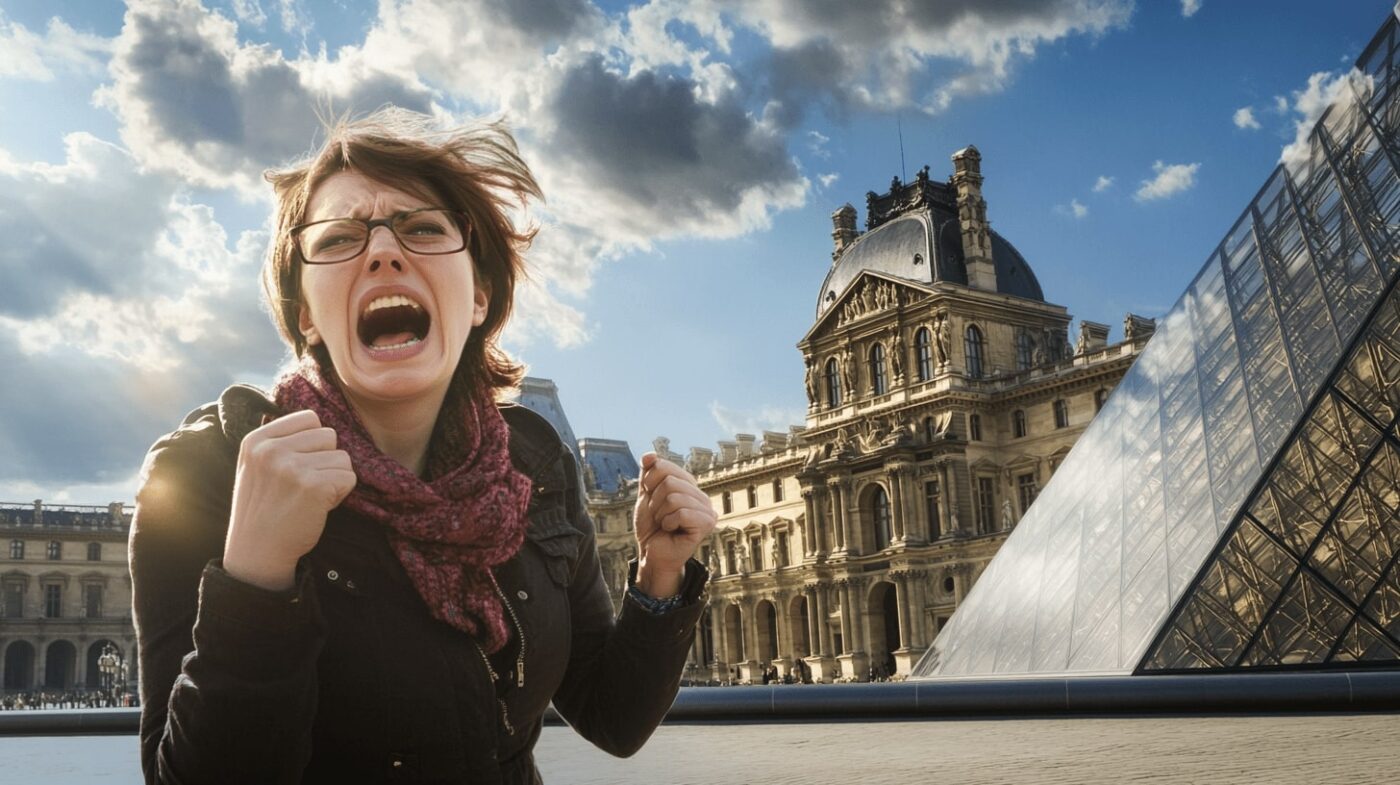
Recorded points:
(692, 154)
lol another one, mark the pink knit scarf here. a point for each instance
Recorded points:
(450, 528)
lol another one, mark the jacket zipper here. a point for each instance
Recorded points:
(519, 629)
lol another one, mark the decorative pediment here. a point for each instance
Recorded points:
(868, 295)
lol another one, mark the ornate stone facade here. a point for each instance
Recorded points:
(65, 592)
(941, 399)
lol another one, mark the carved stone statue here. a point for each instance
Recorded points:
(776, 553)
(848, 371)
(742, 552)
(1038, 357)
(1006, 514)
(811, 381)
(714, 562)
(867, 295)
(942, 339)
(897, 360)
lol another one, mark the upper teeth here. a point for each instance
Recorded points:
(390, 302)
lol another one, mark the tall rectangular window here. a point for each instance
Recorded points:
(55, 550)
(753, 497)
(986, 504)
(1061, 414)
(92, 601)
(778, 489)
(16, 549)
(756, 552)
(14, 600)
(53, 601)
(931, 500)
(782, 550)
(1026, 490)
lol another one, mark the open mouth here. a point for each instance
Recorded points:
(393, 322)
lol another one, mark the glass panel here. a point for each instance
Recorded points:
(1307, 622)
(1362, 642)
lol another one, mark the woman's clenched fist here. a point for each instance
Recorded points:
(290, 475)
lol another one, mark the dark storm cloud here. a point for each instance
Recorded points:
(550, 19)
(651, 141)
(185, 85)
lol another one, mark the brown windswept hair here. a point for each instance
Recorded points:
(476, 169)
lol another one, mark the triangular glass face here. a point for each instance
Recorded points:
(1236, 503)
(1319, 541)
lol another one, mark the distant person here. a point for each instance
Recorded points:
(387, 573)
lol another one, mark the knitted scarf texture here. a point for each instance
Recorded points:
(448, 528)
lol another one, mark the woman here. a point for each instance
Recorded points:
(378, 573)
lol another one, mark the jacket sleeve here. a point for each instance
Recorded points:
(623, 672)
(227, 669)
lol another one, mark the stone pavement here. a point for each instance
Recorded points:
(1307, 750)
(1278, 750)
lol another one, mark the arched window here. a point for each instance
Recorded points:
(777, 489)
(1018, 423)
(1061, 414)
(974, 428)
(726, 503)
(973, 348)
(94, 551)
(923, 354)
(833, 384)
(1025, 350)
(877, 370)
(880, 517)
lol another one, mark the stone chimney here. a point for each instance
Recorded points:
(700, 460)
(1137, 328)
(773, 441)
(728, 451)
(662, 447)
(745, 441)
(38, 512)
(972, 216)
(114, 512)
(843, 229)
(1092, 337)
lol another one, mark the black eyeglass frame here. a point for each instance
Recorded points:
(464, 223)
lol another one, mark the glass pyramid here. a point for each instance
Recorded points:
(1236, 503)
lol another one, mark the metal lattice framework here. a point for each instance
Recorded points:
(1236, 504)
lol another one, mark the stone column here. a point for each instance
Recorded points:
(921, 634)
(896, 479)
(814, 646)
(901, 601)
(809, 529)
(717, 634)
(823, 641)
(847, 634)
(838, 516)
(949, 492)
(782, 636)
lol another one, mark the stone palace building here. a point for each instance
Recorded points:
(942, 394)
(65, 593)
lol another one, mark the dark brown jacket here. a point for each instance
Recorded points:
(346, 677)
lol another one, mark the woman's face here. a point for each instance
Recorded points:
(394, 322)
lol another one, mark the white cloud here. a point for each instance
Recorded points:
(1102, 184)
(1075, 209)
(816, 142)
(1190, 7)
(1323, 89)
(755, 421)
(828, 179)
(1170, 179)
(1244, 119)
(126, 303)
(1281, 104)
(35, 57)
(250, 12)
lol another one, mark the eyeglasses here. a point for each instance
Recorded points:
(430, 230)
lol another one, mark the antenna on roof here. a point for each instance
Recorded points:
(899, 127)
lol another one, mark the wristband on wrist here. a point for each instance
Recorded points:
(654, 605)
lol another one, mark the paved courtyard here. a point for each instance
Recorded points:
(1311, 750)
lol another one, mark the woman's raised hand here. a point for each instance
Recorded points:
(672, 517)
(290, 475)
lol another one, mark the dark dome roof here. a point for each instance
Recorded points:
(901, 248)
